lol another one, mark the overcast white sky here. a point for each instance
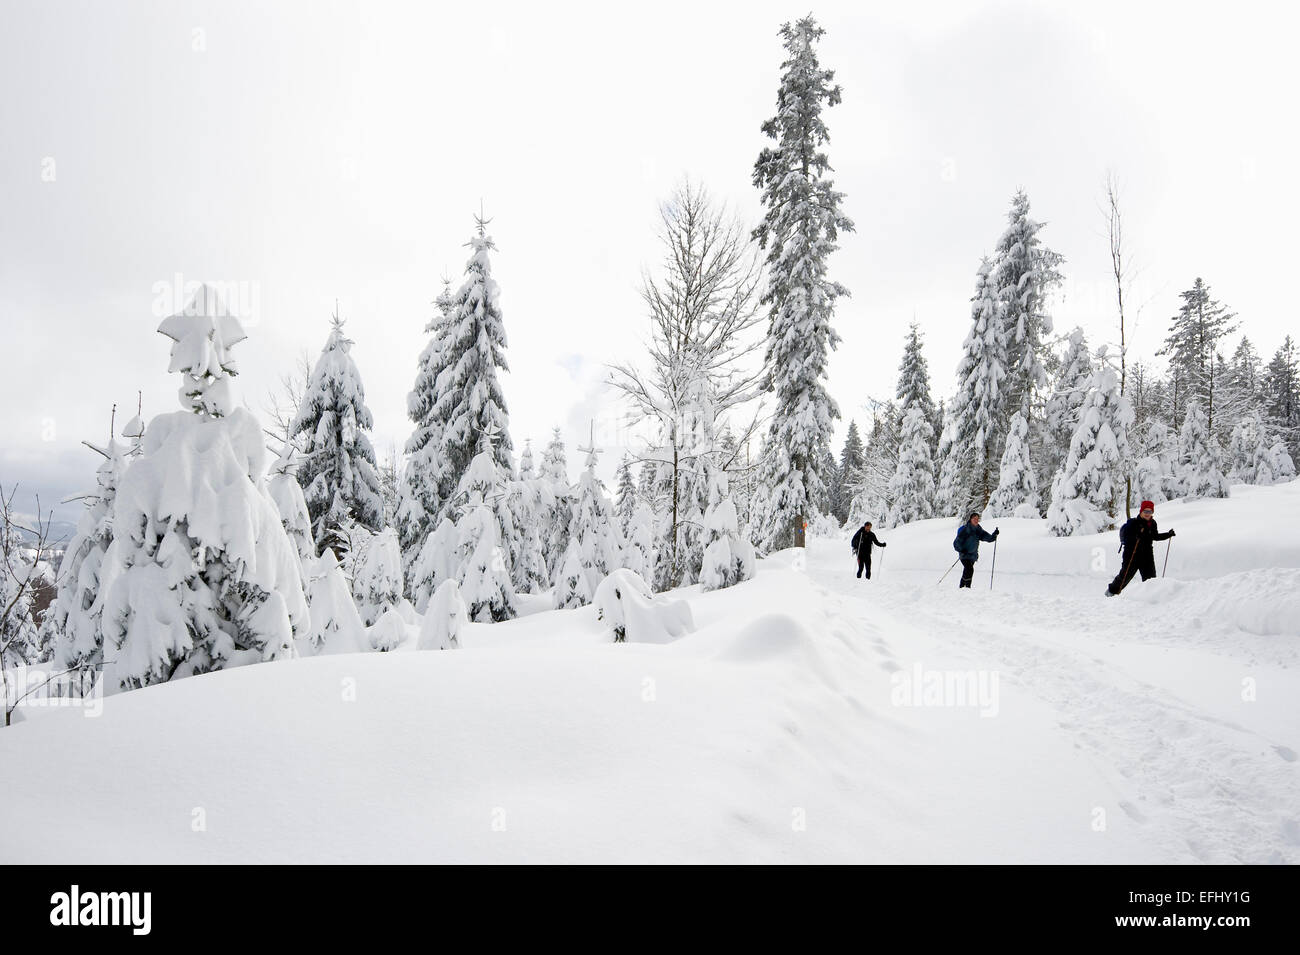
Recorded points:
(315, 151)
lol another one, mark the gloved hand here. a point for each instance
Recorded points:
(1171, 533)
(883, 544)
(996, 531)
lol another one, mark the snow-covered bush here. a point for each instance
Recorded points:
(388, 632)
(728, 557)
(631, 614)
(445, 619)
(377, 575)
(336, 626)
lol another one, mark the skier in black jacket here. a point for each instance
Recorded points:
(1136, 537)
(861, 544)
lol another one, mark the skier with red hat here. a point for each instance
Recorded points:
(1135, 538)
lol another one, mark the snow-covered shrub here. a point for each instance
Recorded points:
(631, 614)
(388, 632)
(377, 575)
(728, 557)
(445, 619)
(336, 626)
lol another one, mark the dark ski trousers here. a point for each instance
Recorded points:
(864, 563)
(967, 574)
(1130, 565)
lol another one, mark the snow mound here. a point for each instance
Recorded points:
(1264, 601)
(770, 636)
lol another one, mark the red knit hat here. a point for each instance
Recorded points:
(1147, 506)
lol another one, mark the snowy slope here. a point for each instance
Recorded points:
(1118, 731)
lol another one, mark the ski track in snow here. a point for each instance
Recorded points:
(1213, 790)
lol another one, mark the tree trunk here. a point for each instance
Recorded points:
(799, 531)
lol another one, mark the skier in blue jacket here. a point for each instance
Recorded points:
(967, 546)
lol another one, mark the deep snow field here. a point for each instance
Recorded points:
(1160, 726)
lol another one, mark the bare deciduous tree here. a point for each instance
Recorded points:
(703, 304)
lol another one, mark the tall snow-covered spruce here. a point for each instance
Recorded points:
(338, 472)
(799, 231)
(201, 574)
(980, 407)
(468, 398)
(1024, 273)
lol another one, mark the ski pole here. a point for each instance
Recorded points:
(948, 571)
(880, 565)
(995, 562)
(1168, 544)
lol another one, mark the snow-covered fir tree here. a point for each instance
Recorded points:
(286, 492)
(1273, 465)
(527, 472)
(201, 574)
(949, 492)
(638, 550)
(728, 558)
(335, 625)
(445, 620)
(376, 567)
(338, 472)
(1199, 473)
(871, 498)
(1192, 345)
(426, 480)
(1068, 394)
(912, 489)
(530, 502)
(848, 473)
(1241, 449)
(594, 537)
(573, 586)
(484, 528)
(1281, 393)
(469, 400)
(436, 563)
(1156, 473)
(980, 408)
(1086, 491)
(1024, 273)
(76, 615)
(913, 389)
(800, 229)
(555, 534)
(1017, 491)
(625, 498)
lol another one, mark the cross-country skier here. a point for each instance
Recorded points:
(861, 543)
(1135, 538)
(967, 545)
